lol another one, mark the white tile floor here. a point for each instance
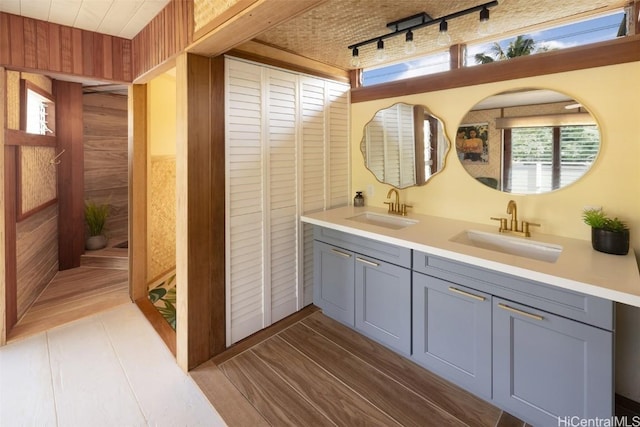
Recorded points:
(110, 369)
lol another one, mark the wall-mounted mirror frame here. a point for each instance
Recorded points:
(528, 141)
(404, 145)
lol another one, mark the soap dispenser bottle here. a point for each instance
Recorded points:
(358, 201)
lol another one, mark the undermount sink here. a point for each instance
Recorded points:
(381, 220)
(510, 245)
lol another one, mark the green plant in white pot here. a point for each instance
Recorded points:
(609, 235)
(95, 216)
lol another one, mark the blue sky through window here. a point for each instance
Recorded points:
(588, 31)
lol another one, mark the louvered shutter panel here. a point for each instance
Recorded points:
(244, 199)
(283, 214)
(312, 98)
(338, 170)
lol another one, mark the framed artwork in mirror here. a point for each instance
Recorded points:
(472, 143)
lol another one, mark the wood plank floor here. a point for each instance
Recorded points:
(319, 372)
(72, 295)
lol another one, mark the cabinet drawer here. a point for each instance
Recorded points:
(574, 305)
(383, 251)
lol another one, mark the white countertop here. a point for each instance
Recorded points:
(579, 267)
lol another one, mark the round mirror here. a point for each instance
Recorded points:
(404, 145)
(528, 141)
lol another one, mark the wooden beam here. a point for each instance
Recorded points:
(200, 209)
(10, 236)
(69, 134)
(19, 137)
(266, 54)
(622, 50)
(138, 182)
(258, 17)
(3, 236)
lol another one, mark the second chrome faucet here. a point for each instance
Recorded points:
(513, 226)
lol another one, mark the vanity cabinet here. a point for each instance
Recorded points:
(365, 284)
(334, 287)
(452, 332)
(547, 366)
(537, 351)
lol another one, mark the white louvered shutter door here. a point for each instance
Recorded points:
(287, 152)
(244, 199)
(281, 291)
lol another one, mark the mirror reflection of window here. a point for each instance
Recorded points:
(547, 158)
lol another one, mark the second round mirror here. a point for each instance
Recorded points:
(528, 141)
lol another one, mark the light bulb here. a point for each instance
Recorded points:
(484, 28)
(410, 45)
(380, 54)
(444, 39)
(355, 58)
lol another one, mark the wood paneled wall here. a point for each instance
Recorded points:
(168, 34)
(105, 158)
(37, 255)
(31, 44)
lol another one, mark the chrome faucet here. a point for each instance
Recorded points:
(396, 207)
(513, 227)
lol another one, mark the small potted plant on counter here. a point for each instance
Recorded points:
(95, 215)
(609, 235)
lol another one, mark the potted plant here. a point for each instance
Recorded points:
(609, 235)
(95, 215)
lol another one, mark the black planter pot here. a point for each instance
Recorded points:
(610, 242)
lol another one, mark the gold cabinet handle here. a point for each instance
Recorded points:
(466, 294)
(520, 312)
(371, 263)
(342, 254)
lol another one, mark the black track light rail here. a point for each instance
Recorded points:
(426, 21)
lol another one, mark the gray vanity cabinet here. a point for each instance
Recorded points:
(548, 351)
(334, 277)
(546, 366)
(365, 284)
(452, 332)
(383, 302)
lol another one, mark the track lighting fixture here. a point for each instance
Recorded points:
(380, 55)
(408, 25)
(410, 45)
(355, 58)
(483, 27)
(444, 39)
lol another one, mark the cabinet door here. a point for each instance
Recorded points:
(546, 366)
(452, 332)
(383, 302)
(333, 289)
